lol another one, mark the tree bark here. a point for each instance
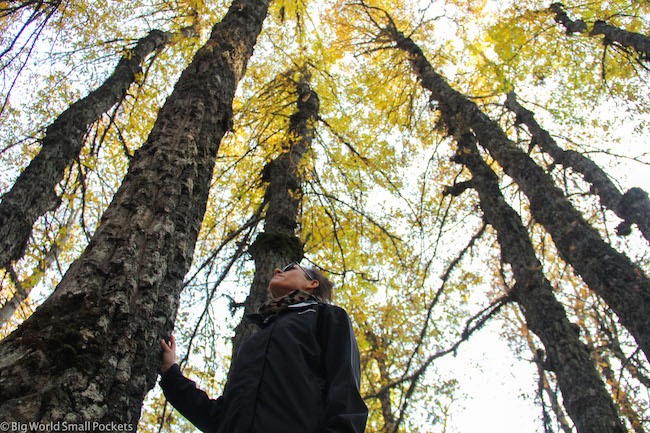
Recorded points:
(633, 206)
(584, 394)
(612, 34)
(91, 351)
(33, 193)
(570, 25)
(640, 43)
(278, 244)
(610, 274)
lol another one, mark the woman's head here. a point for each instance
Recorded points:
(295, 277)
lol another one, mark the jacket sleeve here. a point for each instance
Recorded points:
(345, 409)
(191, 402)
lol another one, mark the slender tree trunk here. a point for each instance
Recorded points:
(34, 193)
(556, 407)
(278, 244)
(610, 274)
(633, 206)
(378, 352)
(25, 286)
(631, 364)
(91, 351)
(638, 42)
(584, 394)
(539, 359)
(620, 396)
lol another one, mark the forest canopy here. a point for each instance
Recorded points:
(459, 169)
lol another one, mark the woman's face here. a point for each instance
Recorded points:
(284, 282)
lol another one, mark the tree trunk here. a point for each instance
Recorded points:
(610, 274)
(24, 287)
(91, 351)
(556, 407)
(34, 193)
(584, 394)
(612, 341)
(633, 206)
(278, 244)
(539, 359)
(621, 397)
(638, 42)
(378, 353)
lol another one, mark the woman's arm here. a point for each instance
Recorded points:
(345, 408)
(182, 393)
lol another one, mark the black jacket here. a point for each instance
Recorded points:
(299, 374)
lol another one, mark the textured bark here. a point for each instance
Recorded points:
(34, 193)
(278, 244)
(91, 351)
(584, 394)
(637, 41)
(633, 206)
(610, 274)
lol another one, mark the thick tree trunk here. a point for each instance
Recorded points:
(91, 351)
(610, 274)
(584, 394)
(34, 193)
(637, 41)
(278, 244)
(633, 206)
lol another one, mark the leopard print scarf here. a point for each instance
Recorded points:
(276, 306)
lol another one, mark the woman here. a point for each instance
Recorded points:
(299, 373)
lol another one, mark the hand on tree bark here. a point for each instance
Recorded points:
(169, 354)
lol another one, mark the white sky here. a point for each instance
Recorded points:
(495, 388)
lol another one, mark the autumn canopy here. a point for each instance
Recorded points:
(457, 168)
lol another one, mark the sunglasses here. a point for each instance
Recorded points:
(296, 265)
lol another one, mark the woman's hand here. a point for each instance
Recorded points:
(169, 354)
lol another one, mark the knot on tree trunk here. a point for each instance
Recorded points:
(633, 206)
